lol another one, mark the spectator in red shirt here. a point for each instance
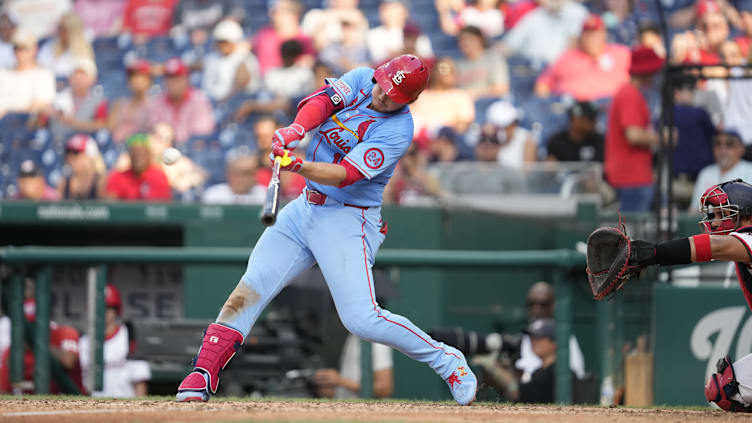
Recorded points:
(628, 156)
(592, 70)
(148, 18)
(285, 25)
(186, 109)
(143, 180)
(703, 45)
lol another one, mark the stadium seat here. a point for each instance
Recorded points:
(522, 76)
(546, 116)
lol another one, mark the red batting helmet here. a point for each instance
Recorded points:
(112, 297)
(403, 78)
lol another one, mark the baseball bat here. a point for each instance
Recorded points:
(271, 204)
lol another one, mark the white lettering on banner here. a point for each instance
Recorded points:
(156, 212)
(210, 212)
(398, 77)
(724, 322)
(74, 212)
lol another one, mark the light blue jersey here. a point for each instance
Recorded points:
(372, 142)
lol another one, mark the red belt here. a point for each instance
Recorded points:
(318, 199)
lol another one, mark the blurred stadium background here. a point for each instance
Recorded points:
(508, 80)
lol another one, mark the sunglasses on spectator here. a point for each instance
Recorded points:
(727, 144)
(76, 152)
(542, 303)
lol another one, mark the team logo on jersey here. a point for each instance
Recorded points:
(373, 158)
(336, 99)
(398, 77)
(333, 136)
(213, 339)
(363, 127)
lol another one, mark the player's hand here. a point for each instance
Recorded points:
(288, 161)
(327, 378)
(289, 136)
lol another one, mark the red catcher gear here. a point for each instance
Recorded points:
(722, 386)
(403, 78)
(217, 349)
(112, 298)
(724, 204)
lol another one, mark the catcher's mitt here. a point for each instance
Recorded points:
(612, 258)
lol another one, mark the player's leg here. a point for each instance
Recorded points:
(279, 255)
(345, 256)
(731, 387)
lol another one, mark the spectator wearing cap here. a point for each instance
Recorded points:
(186, 109)
(32, 185)
(69, 45)
(546, 32)
(592, 70)
(702, 46)
(79, 108)
(411, 36)
(480, 72)
(143, 180)
(514, 146)
(387, 40)
(540, 387)
(351, 51)
(130, 115)
(27, 88)
(482, 14)
(196, 18)
(728, 152)
(442, 103)
(7, 26)
(85, 175)
(292, 80)
(580, 141)
(448, 147)
(326, 25)
(285, 26)
(628, 157)
(101, 18)
(687, 12)
(231, 69)
(241, 186)
(148, 18)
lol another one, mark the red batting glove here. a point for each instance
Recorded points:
(289, 136)
(288, 162)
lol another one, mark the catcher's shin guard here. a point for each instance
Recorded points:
(722, 386)
(217, 349)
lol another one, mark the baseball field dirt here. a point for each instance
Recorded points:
(163, 409)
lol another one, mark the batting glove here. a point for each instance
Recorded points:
(289, 136)
(287, 161)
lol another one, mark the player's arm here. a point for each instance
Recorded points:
(312, 112)
(695, 249)
(728, 248)
(335, 174)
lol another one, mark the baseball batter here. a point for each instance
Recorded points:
(727, 222)
(362, 127)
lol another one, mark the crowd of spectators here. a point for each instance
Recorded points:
(91, 92)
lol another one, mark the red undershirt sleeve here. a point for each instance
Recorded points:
(314, 109)
(353, 174)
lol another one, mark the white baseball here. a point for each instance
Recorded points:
(171, 155)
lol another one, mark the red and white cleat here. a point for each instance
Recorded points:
(195, 387)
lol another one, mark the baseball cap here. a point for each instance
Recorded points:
(175, 67)
(85, 64)
(405, 3)
(140, 66)
(77, 143)
(707, 6)
(502, 114)
(542, 328)
(592, 23)
(730, 133)
(23, 38)
(136, 139)
(583, 109)
(228, 30)
(645, 61)
(29, 168)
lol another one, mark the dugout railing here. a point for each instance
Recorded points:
(561, 263)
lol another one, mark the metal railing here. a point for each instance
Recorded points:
(560, 261)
